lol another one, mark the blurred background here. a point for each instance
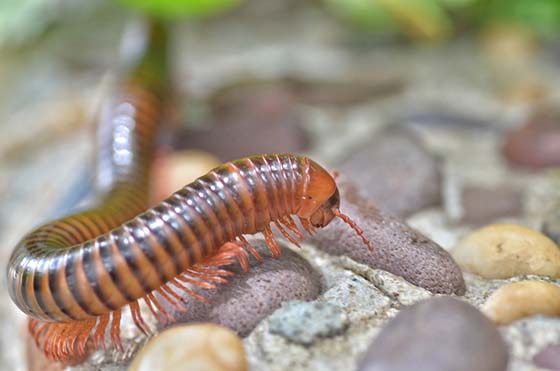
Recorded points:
(471, 85)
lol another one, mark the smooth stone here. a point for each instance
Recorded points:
(396, 172)
(483, 205)
(198, 347)
(177, 169)
(548, 358)
(398, 248)
(535, 145)
(439, 334)
(258, 121)
(551, 226)
(304, 322)
(522, 299)
(249, 297)
(507, 250)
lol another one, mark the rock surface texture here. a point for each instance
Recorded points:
(398, 248)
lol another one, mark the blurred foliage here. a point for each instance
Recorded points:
(420, 20)
(180, 8)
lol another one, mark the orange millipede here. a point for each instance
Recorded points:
(74, 276)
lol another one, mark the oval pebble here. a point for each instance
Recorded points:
(198, 347)
(438, 334)
(396, 172)
(507, 250)
(398, 248)
(535, 145)
(249, 297)
(522, 299)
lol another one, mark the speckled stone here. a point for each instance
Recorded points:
(522, 299)
(548, 358)
(396, 172)
(198, 347)
(438, 334)
(536, 144)
(507, 250)
(398, 248)
(249, 297)
(303, 322)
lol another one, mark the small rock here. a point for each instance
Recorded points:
(177, 169)
(203, 347)
(548, 358)
(483, 205)
(303, 322)
(522, 299)
(437, 334)
(535, 145)
(396, 172)
(551, 226)
(398, 248)
(262, 121)
(249, 297)
(506, 250)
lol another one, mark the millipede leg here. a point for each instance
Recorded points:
(271, 243)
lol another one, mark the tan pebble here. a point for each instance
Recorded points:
(197, 347)
(505, 250)
(522, 299)
(177, 169)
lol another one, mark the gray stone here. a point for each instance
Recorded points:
(439, 334)
(304, 322)
(398, 248)
(396, 172)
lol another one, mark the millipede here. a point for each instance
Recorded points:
(74, 276)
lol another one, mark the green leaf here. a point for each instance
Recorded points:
(181, 8)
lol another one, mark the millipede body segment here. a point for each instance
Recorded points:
(73, 276)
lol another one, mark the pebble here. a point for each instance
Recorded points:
(536, 144)
(483, 205)
(522, 299)
(177, 169)
(398, 248)
(438, 334)
(396, 172)
(198, 347)
(507, 250)
(551, 225)
(548, 358)
(257, 121)
(249, 297)
(304, 322)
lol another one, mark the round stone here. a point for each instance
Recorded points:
(536, 144)
(198, 347)
(506, 250)
(396, 172)
(439, 334)
(523, 299)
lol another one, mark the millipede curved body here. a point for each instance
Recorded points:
(60, 272)
(75, 275)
